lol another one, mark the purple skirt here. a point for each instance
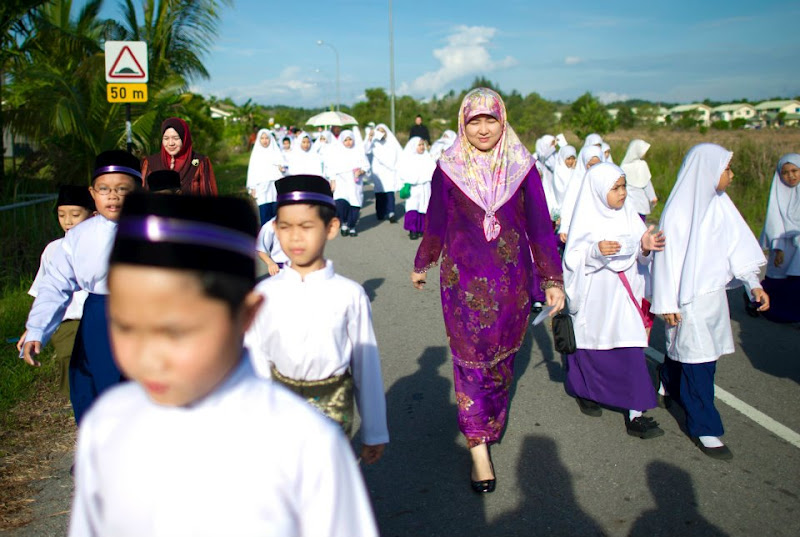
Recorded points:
(414, 221)
(616, 378)
(784, 299)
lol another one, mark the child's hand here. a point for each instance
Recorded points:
(372, 454)
(609, 248)
(418, 279)
(21, 341)
(563, 237)
(672, 319)
(654, 201)
(778, 261)
(31, 350)
(273, 268)
(761, 297)
(651, 242)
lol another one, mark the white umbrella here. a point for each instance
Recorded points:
(331, 118)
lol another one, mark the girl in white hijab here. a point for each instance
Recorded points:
(267, 165)
(545, 164)
(438, 147)
(345, 165)
(606, 264)
(385, 151)
(322, 142)
(416, 169)
(781, 236)
(566, 160)
(589, 157)
(303, 160)
(606, 153)
(710, 249)
(640, 188)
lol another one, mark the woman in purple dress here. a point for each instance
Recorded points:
(488, 221)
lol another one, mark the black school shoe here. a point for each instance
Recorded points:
(353, 232)
(392, 218)
(588, 407)
(722, 453)
(643, 427)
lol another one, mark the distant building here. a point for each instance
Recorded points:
(219, 113)
(729, 112)
(776, 107)
(699, 111)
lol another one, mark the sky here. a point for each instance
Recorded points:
(676, 52)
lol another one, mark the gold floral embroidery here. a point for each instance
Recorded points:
(463, 401)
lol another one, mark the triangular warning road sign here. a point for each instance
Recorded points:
(126, 66)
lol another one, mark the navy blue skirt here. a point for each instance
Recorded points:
(91, 369)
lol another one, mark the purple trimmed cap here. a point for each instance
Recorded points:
(117, 161)
(308, 189)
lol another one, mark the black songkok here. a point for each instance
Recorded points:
(161, 180)
(308, 189)
(117, 161)
(74, 195)
(202, 233)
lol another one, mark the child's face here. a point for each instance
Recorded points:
(303, 234)
(616, 196)
(109, 193)
(286, 145)
(170, 338)
(305, 145)
(570, 162)
(606, 153)
(483, 132)
(172, 141)
(264, 140)
(592, 162)
(790, 174)
(725, 179)
(421, 147)
(348, 142)
(70, 216)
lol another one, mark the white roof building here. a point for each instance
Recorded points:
(700, 110)
(776, 107)
(729, 112)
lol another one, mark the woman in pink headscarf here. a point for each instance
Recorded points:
(488, 221)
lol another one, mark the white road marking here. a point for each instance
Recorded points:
(735, 403)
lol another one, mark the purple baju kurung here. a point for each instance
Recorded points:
(486, 289)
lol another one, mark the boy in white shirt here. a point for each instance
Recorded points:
(314, 333)
(197, 445)
(268, 248)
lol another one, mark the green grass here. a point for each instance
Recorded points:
(232, 174)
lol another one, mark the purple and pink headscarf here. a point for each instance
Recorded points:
(488, 178)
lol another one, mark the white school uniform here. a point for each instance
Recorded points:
(604, 315)
(709, 248)
(268, 243)
(545, 165)
(444, 142)
(248, 459)
(74, 310)
(319, 327)
(417, 170)
(339, 165)
(562, 174)
(304, 162)
(80, 264)
(265, 168)
(637, 173)
(385, 159)
(782, 225)
(575, 184)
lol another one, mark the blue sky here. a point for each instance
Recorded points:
(678, 51)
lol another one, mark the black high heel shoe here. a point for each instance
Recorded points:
(487, 485)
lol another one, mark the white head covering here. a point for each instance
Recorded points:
(593, 139)
(782, 225)
(546, 151)
(342, 159)
(415, 168)
(447, 139)
(596, 221)
(265, 162)
(562, 173)
(303, 162)
(708, 241)
(322, 142)
(636, 169)
(605, 147)
(387, 151)
(575, 184)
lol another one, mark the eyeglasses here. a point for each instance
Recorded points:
(119, 190)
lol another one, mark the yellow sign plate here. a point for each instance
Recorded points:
(126, 93)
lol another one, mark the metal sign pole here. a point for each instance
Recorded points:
(128, 127)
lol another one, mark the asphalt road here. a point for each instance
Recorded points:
(559, 472)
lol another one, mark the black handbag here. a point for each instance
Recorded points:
(563, 333)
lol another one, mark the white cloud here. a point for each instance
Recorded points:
(465, 54)
(572, 60)
(289, 86)
(606, 97)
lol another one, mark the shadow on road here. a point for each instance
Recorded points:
(548, 505)
(676, 506)
(421, 487)
(371, 285)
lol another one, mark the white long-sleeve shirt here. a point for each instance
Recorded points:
(75, 309)
(268, 243)
(249, 459)
(80, 264)
(319, 327)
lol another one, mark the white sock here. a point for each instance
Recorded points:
(661, 389)
(633, 414)
(711, 441)
(345, 228)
